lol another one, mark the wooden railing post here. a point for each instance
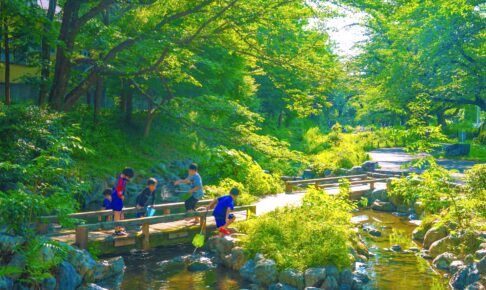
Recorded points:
(251, 211)
(388, 183)
(82, 237)
(372, 184)
(317, 184)
(146, 237)
(166, 210)
(288, 187)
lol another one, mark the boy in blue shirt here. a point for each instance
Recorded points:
(195, 181)
(222, 212)
(107, 203)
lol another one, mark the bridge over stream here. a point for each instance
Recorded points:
(170, 225)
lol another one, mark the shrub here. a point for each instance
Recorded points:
(318, 233)
(224, 187)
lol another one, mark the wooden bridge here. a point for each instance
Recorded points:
(170, 225)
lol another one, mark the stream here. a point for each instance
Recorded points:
(387, 269)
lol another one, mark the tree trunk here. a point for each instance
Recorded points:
(129, 106)
(8, 99)
(88, 98)
(280, 119)
(123, 96)
(62, 70)
(97, 98)
(46, 53)
(148, 122)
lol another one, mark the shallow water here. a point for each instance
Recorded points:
(387, 269)
(144, 271)
(395, 270)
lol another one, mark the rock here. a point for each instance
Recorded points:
(434, 234)
(444, 260)
(345, 287)
(10, 243)
(480, 253)
(266, 271)
(361, 276)
(237, 259)
(396, 248)
(362, 249)
(6, 283)
(379, 194)
(293, 278)
(475, 286)
(465, 276)
(419, 208)
(346, 278)
(314, 277)
(481, 265)
(419, 234)
(248, 271)
(174, 266)
(441, 246)
(311, 288)
(49, 284)
(68, 277)
(91, 286)
(198, 266)
(108, 268)
(414, 249)
(330, 283)
(332, 271)
(369, 166)
(453, 150)
(385, 206)
(482, 246)
(281, 286)
(83, 263)
(469, 259)
(18, 260)
(374, 233)
(454, 266)
(221, 246)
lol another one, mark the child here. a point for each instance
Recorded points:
(147, 196)
(107, 203)
(195, 181)
(117, 198)
(222, 215)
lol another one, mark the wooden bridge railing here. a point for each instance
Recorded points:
(318, 181)
(371, 182)
(43, 221)
(82, 231)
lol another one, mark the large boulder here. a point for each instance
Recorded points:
(369, 166)
(18, 261)
(221, 246)
(6, 283)
(266, 271)
(454, 266)
(83, 263)
(248, 271)
(481, 265)
(68, 278)
(441, 246)
(10, 243)
(418, 234)
(434, 234)
(475, 286)
(174, 266)
(237, 259)
(464, 277)
(376, 194)
(109, 268)
(346, 277)
(314, 277)
(292, 277)
(480, 253)
(385, 206)
(443, 261)
(330, 283)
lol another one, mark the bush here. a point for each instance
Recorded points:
(230, 163)
(318, 233)
(224, 187)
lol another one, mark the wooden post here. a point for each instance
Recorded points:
(372, 184)
(146, 237)
(317, 184)
(251, 211)
(288, 187)
(166, 210)
(388, 183)
(82, 237)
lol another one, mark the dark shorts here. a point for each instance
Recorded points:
(221, 220)
(117, 205)
(190, 203)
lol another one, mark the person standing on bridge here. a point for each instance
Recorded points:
(196, 191)
(146, 198)
(117, 198)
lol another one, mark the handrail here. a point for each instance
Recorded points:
(155, 219)
(314, 180)
(109, 212)
(355, 182)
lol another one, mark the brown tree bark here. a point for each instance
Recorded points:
(46, 53)
(6, 47)
(97, 99)
(129, 106)
(148, 122)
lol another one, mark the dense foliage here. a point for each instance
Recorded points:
(317, 233)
